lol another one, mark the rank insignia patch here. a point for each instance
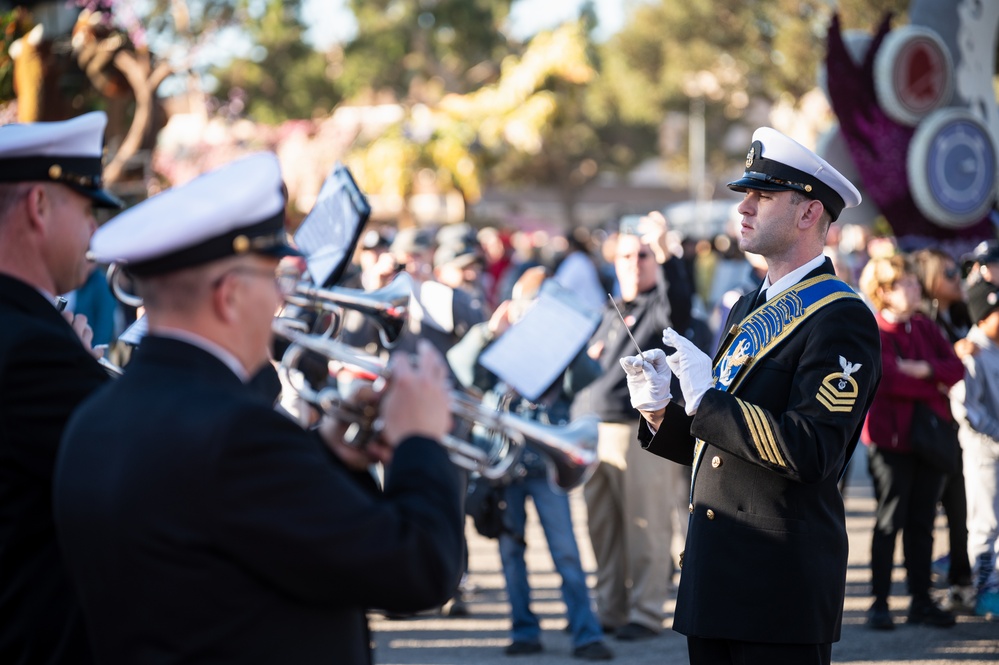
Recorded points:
(838, 391)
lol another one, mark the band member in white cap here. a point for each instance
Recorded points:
(768, 426)
(199, 524)
(50, 181)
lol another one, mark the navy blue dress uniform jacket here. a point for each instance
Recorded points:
(45, 372)
(766, 552)
(201, 525)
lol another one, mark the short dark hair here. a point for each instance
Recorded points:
(10, 195)
(799, 197)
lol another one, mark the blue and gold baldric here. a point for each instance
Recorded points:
(760, 333)
(770, 324)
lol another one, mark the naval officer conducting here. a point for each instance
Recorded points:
(198, 524)
(769, 427)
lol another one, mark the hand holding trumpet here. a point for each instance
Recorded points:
(416, 402)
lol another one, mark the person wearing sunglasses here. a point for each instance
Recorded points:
(943, 300)
(634, 504)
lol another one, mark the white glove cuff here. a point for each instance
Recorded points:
(694, 402)
(653, 406)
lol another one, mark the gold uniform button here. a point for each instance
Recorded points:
(716, 461)
(691, 508)
(710, 514)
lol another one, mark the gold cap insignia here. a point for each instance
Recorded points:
(240, 244)
(55, 172)
(750, 156)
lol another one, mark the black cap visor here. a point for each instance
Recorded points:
(81, 174)
(101, 197)
(278, 251)
(764, 183)
(810, 187)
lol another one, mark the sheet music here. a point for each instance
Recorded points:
(135, 332)
(434, 306)
(327, 232)
(537, 349)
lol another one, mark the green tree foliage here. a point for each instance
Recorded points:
(10, 29)
(289, 79)
(402, 45)
(548, 138)
(527, 126)
(761, 48)
(726, 52)
(180, 22)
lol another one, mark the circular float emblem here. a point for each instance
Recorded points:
(952, 168)
(913, 74)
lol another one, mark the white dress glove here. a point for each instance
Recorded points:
(648, 380)
(692, 368)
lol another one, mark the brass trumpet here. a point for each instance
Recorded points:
(570, 451)
(387, 306)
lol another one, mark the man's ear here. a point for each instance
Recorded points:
(224, 298)
(39, 204)
(810, 214)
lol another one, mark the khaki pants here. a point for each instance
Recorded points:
(629, 502)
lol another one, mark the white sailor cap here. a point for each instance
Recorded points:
(235, 209)
(776, 163)
(68, 152)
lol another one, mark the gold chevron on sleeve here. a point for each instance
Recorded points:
(762, 433)
(753, 430)
(771, 440)
(838, 393)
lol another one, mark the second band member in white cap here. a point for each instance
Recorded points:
(50, 182)
(199, 522)
(768, 426)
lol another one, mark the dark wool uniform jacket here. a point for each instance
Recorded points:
(45, 372)
(766, 551)
(202, 526)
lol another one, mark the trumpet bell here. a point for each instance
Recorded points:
(572, 455)
(569, 451)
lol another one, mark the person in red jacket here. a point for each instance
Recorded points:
(919, 366)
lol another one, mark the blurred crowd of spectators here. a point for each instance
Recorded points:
(465, 278)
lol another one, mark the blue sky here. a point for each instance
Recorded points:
(333, 23)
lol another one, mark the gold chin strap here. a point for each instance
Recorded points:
(58, 174)
(242, 244)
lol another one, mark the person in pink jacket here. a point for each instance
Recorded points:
(919, 366)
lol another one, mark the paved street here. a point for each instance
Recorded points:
(480, 637)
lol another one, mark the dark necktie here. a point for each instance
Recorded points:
(761, 298)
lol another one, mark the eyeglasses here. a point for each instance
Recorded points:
(285, 279)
